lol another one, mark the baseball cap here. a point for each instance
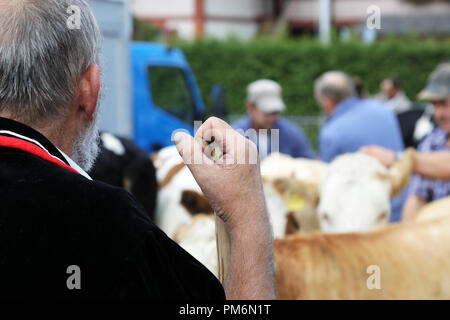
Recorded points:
(266, 96)
(438, 87)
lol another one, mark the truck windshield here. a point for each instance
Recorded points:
(171, 93)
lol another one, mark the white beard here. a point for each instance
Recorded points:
(86, 146)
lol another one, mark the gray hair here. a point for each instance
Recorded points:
(335, 85)
(41, 58)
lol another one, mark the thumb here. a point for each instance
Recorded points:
(190, 150)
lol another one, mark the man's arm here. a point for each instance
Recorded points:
(232, 183)
(432, 165)
(412, 206)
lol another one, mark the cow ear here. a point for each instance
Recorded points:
(400, 172)
(195, 202)
(292, 188)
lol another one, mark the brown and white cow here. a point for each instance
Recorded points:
(179, 196)
(401, 261)
(433, 210)
(350, 194)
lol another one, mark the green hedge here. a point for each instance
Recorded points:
(295, 64)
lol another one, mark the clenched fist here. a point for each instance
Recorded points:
(226, 166)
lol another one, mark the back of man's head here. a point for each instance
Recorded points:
(335, 86)
(42, 55)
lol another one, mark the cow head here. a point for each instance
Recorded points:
(350, 194)
(356, 191)
(295, 183)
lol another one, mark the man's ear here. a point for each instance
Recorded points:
(89, 89)
(250, 108)
(327, 104)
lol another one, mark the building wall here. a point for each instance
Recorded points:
(249, 9)
(356, 10)
(236, 18)
(224, 30)
(242, 18)
(163, 8)
(171, 15)
(219, 19)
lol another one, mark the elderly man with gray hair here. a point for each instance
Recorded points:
(65, 236)
(354, 123)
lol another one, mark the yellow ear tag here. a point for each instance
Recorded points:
(295, 203)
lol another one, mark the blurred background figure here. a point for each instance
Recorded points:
(424, 190)
(264, 105)
(360, 90)
(393, 95)
(353, 123)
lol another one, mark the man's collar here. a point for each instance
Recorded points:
(75, 166)
(343, 107)
(25, 131)
(19, 130)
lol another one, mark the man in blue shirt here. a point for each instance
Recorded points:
(265, 128)
(354, 123)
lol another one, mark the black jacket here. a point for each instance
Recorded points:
(132, 170)
(52, 218)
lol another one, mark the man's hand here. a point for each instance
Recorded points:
(226, 166)
(385, 156)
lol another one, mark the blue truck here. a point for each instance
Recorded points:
(165, 94)
(150, 88)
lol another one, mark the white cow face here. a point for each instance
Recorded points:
(355, 195)
(354, 206)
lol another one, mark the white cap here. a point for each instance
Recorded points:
(266, 96)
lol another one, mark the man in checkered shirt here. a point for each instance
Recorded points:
(432, 163)
(422, 189)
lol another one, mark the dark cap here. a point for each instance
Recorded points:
(438, 87)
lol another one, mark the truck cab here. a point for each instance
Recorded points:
(165, 94)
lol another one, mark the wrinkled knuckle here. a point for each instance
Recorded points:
(212, 121)
(217, 122)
